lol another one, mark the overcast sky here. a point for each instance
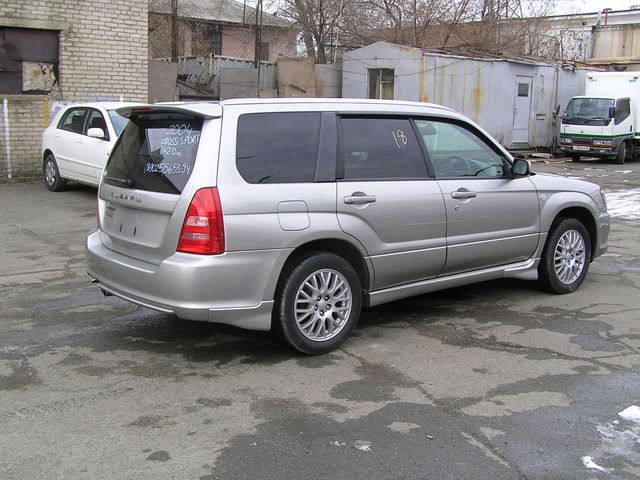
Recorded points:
(577, 6)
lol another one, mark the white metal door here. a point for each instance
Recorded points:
(521, 110)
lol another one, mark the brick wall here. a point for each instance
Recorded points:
(103, 56)
(26, 116)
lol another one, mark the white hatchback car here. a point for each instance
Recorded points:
(77, 143)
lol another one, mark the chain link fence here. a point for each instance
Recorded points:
(223, 48)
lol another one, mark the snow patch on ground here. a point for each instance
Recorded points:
(589, 463)
(620, 440)
(624, 204)
(631, 413)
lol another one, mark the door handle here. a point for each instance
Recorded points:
(359, 198)
(463, 194)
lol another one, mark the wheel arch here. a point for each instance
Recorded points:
(584, 216)
(340, 247)
(46, 152)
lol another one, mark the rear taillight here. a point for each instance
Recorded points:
(203, 229)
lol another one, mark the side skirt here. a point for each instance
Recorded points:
(527, 270)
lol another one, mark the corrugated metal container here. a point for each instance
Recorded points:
(513, 99)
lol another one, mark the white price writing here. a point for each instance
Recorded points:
(180, 129)
(168, 168)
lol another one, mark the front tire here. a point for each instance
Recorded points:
(566, 256)
(52, 178)
(575, 158)
(318, 303)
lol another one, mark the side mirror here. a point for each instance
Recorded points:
(557, 112)
(96, 133)
(612, 112)
(521, 168)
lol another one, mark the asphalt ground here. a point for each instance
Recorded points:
(491, 381)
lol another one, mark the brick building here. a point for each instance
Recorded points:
(55, 51)
(218, 27)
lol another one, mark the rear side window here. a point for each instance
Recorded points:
(380, 148)
(73, 120)
(156, 152)
(278, 147)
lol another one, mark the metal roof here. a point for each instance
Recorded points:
(223, 11)
(480, 55)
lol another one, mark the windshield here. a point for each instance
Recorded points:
(588, 111)
(118, 121)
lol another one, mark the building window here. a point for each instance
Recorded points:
(206, 39)
(28, 60)
(381, 83)
(264, 52)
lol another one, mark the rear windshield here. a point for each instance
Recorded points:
(155, 152)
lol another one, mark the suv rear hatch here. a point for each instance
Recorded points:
(145, 190)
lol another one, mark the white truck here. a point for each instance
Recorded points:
(604, 122)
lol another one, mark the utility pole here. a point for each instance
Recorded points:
(174, 30)
(258, 40)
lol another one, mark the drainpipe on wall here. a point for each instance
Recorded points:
(7, 142)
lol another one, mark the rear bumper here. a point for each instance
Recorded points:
(234, 288)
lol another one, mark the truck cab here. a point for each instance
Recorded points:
(601, 122)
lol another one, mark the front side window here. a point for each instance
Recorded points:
(380, 148)
(455, 151)
(623, 110)
(73, 120)
(278, 147)
(96, 120)
(381, 83)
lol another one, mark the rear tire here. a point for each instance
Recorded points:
(318, 303)
(575, 158)
(52, 178)
(622, 153)
(565, 258)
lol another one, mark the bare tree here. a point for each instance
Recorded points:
(498, 26)
(318, 20)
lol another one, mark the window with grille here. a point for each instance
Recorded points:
(28, 60)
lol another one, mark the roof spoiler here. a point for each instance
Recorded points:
(203, 110)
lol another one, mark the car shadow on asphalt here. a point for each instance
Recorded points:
(145, 331)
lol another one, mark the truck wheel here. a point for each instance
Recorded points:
(318, 303)
(565, 258)
(575, 158)
(622, 153)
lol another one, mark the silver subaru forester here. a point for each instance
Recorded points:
(291, 214)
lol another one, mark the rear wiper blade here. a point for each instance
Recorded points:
(124, 182)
